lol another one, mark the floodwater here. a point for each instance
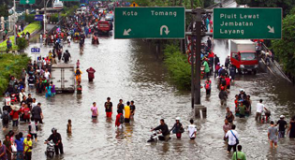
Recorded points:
(129, 70)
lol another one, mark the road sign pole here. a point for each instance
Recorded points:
(197, 34)
(192, 69)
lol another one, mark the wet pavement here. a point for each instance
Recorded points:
(129, 70)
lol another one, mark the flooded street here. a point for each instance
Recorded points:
(130, 70)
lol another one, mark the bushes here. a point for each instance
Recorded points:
(178, 67)
(65, 12)
(11, 65)
(54, 17)
(68, 11)
(30, 18)
(22, 43)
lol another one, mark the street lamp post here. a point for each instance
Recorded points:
(14, 18)
(44, 16)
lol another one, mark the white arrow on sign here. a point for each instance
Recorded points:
(271, 29)
(161, 30)
(27, 1)
(126, 32)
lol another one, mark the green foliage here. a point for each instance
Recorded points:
(284, 48)
(11, 65)
(54, 17)
(208, 3)
(30, 18)
(22, 43)
(4, 10)
(286, 5)
(292, 10)
(178, 67)
(69, 10)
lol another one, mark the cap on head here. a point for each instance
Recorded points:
(53, 130)
(177, 118)
(29, 135)
(282, 116)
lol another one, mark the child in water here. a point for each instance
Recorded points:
(69, 126)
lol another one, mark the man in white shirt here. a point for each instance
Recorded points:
(34, 103)
(232, 136)
(192, 130)
(259, 109)
(47, 74)
(22, 94)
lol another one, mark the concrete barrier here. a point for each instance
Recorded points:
(200, 111)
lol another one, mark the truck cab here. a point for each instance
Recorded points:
(104, 27)
(243, 55)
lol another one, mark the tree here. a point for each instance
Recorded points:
(4, 10)
(285, 4)
(208, 3)
(284, 48)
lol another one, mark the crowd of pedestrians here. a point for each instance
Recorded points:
(23, 108)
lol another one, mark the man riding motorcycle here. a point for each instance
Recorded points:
(56, 138)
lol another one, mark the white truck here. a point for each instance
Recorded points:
(62, 76)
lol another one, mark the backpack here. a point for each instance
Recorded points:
(121, 119)
(207, 86)
(78, 72)
(5, 115)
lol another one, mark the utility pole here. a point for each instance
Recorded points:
(197, 35)
(192, 62)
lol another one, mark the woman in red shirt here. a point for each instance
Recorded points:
(26, 113)
(227, 82)
(14, 114)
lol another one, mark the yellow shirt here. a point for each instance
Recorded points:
(28, 144)
(50, 55)
(127, 111)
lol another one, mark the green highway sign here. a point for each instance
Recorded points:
(27, 1)
(247, 23)
(150, 22)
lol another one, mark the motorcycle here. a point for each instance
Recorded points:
(153, 137)
(49, 149)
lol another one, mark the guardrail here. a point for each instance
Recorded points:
(288, 76)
